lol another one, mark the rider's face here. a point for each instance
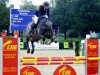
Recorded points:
(32, 17)
(46, 7)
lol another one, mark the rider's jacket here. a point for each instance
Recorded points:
(42, 11)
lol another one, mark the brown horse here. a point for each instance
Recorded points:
(41, 31)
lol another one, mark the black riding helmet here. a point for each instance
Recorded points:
(46, 3)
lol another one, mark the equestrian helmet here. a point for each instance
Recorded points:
(46, 3)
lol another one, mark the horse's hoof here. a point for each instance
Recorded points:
(32, 51)
(55, 41)
(28, 51)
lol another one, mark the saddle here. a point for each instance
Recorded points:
(35, 25)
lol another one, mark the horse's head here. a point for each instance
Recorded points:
(48, 24)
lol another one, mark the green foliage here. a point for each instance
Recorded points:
(61, 39)
(4, 1)
(77, 48)
(4, 16)
(87, 13)
(77, 45)
(63, 13)
(77, 17)
(28, 5)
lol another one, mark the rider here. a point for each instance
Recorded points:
(43, 11)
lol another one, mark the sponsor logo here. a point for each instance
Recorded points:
(6, 43)
(26, 72)
(92, 46)
(64, 71)
(9, 45)
(29, 70)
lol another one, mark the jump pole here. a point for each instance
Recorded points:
(52, 63)
(34, 59)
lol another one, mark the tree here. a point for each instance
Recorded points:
(4, 1)
(12, 6)
(86, 15)
(62, 13)
(4, 16)
(77, 16)
(52, 3)
(28, 5)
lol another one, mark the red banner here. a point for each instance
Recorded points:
(92, 51)
(64, 70)
(29, 70)
(10, 56)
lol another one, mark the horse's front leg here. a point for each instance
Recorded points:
(55, 36)
(27, 45)
(32, 43)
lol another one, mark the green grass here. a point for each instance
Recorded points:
(61, 39)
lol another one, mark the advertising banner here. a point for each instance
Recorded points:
(45, 46)
(19, 19)
(10, 56)
(65, 70)
(92, 51)
(29, 70)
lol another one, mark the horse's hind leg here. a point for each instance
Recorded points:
(32, 43)
(27, 41)
(52, 37)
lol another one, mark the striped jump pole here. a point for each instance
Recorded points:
(52, 63)
(35, 59)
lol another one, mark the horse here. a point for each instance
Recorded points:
(42, 31)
